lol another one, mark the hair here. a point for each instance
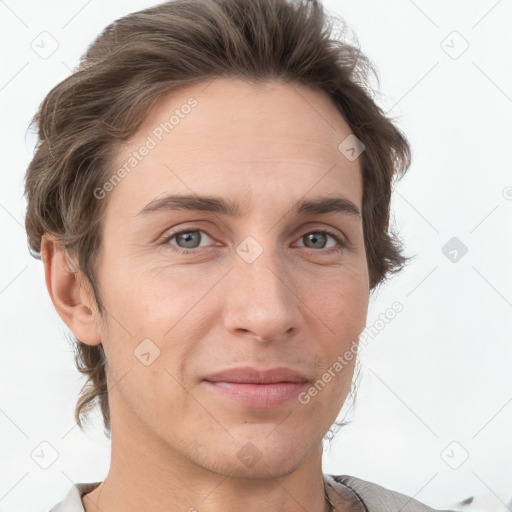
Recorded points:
(145, 55)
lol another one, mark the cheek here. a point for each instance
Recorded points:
(339, 311)
(145, 298)
(342, 303)
(155, 318)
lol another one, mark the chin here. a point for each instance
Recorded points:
(263, 468)
(259, 453)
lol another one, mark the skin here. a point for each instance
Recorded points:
(175, 442)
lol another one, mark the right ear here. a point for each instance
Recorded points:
(70, 298)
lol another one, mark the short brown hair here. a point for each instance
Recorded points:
(142, 56)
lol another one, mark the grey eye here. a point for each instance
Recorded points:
(190, 239)
(318, 239)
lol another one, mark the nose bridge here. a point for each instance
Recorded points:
(263, 298)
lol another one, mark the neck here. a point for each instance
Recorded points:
(149, 476)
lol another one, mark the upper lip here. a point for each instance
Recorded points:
(250, 375)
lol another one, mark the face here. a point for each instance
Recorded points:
(192, 292)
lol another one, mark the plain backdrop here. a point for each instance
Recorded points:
(433, 414)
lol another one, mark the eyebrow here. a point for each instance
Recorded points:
(319, 205)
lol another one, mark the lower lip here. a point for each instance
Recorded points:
(261, 396)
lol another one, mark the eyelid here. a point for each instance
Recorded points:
(340, 239)
(164, 239)
(182, 228)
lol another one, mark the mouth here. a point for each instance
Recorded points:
(254, 388)
(259, 396)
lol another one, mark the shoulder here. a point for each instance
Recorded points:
(72, 502)
(377, 498)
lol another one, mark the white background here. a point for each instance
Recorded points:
(439, 372)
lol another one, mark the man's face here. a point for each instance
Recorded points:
(265, 288)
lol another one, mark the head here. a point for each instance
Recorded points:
(249, 108)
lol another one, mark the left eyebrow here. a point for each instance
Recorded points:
(228, 207)
(327, 205)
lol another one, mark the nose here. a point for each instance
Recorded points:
(263, 300)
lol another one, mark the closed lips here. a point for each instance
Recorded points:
(251, 375)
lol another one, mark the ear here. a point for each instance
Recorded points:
(70, 298)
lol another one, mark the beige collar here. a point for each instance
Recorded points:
(343, 498)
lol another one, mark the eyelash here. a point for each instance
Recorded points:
(192, 229)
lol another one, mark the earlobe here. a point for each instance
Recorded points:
(69, 297)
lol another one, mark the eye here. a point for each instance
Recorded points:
(318, 239)
(186, 240)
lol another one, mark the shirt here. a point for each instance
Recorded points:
(346, 492)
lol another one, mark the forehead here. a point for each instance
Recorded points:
(240, 139)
